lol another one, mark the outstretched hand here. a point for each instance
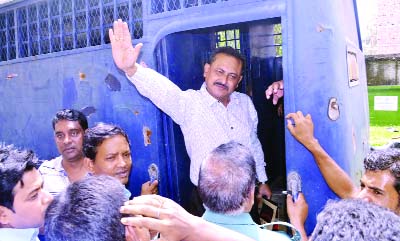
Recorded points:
(123, 52)
(160, 214)
(276, 90)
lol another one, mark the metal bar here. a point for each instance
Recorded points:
(101, 8)
(16, 35)
(87, 15)
(130, 18)
(61, 34)
(73, 23)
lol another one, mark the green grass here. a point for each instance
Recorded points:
(381, 120)
(379, 135)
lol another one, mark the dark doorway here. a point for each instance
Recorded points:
(181, 56)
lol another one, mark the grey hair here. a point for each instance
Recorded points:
(354, 219)
(88, 210)
(227, 177)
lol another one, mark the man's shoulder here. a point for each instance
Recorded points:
(13, 234)
(50, 164)
(266, 235)
(241, 96)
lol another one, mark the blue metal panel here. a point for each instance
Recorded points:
(315, 69)
(30, 99)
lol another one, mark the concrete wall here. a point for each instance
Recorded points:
(383, 70)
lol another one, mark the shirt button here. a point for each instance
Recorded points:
(231, 127)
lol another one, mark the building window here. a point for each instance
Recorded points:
(228, 38)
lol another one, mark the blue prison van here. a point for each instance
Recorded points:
(56, 54)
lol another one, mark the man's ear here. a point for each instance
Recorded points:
(5, 216)
(90, 165)
(206, 69)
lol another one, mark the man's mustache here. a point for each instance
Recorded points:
(221, 85)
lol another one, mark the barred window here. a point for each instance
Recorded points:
(159, 6)
(229, 38)
(57, 25)
(278, 39)
(7, 36)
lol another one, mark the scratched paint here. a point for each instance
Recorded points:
(146, 135)
(11, 76)
(88, 110)
(112, 83)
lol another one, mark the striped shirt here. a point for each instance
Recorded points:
(205, 122)
(55, 178)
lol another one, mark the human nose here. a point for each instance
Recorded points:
(67, 139)
(47, 197)
(121, 161)
(225, 78)
(363, 195)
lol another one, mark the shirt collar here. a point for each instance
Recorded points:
(210, 100)
(58, 166)
(242, 218)
(14, 234)
(127, 194)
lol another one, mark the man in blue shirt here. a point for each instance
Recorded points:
(226, 185)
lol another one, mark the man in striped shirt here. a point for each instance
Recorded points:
(69, 126)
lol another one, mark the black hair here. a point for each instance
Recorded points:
(381, 160)
(228, 51)
(13, 164)
(71, 115)
(97, 134)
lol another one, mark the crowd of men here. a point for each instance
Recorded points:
(81, 194)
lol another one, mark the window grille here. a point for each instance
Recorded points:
(159, 6)
(228, 38)
(278, 39)
(57, 25)
(7, 35)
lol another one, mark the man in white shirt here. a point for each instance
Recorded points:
(23, 202)
(208, 117)
(69, 126)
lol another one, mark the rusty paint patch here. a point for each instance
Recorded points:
(146, 135)
(82, 76)
(136, 112)
(11, 76)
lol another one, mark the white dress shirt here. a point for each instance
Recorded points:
(205, 122)
(14, 234)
